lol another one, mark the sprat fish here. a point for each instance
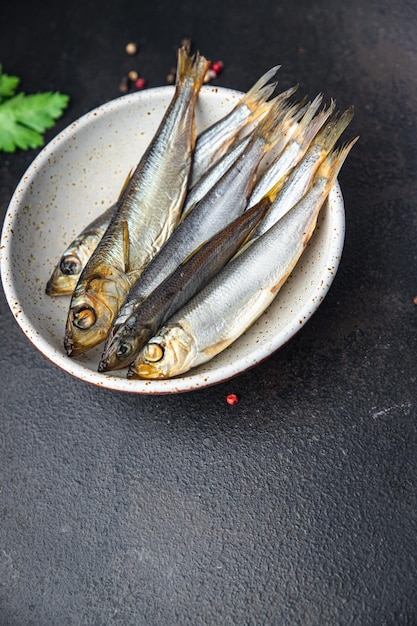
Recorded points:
(241, 291)
(145, 215)
(216, 139)
(225, 201)
(65, 276)
(173, 292)
(250, 109)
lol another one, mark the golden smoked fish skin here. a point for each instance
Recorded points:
(192, 275)
(225, 201)
(68, 270)
(239, 293)
(250, 108)
(146, 213)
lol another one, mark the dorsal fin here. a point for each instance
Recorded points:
(126, 246)
(125, 184)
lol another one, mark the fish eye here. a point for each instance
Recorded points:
(84, 318)
(154, 352)
(70, 265)
(124, 349)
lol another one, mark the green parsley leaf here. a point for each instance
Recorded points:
(24, 119)
(8, 85)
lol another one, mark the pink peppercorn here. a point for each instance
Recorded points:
(217, 66)
(140, 83)
(232, 399)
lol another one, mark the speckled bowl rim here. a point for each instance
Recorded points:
(200, 377)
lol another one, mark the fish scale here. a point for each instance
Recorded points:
(226, 200)
(230, 304)
(146, 213)
(179, 287)
(248, 111)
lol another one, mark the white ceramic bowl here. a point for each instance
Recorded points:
(74, 178)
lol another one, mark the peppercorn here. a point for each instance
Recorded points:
(209, 75)
(217, 67)
(232, 399)
(124, 85)
(131, 48)
(140, 83)
(172, 75)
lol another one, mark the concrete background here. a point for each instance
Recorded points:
(297, 505)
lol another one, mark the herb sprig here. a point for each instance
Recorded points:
(25, 118)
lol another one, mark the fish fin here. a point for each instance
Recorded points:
(309, 109)
(331, 131)
(310, 123)
(256, 99)
(125, 184)
(278, 124)
(261, 91)
(191, 69)
(186, 44)
(275, 189)
(331, 165)
(271, 108)
(126, 246)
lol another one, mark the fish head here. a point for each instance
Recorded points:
(68, 270)
(65, 276)
(169, 353)
(122, 346)
(93, 307)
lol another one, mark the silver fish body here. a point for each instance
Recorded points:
(123, 344)
(216, 139)
(68, 270)
(239, 293)
(73, 260)
(146, 214)
(213, 175)
(226, 200)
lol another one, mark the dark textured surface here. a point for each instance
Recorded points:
(297, 505)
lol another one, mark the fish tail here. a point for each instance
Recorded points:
(261, 91)
(191, 69)
(311, 108)
(275, 128)
(289, 113)
(280, 102)
(331, 131)
(265, 107)
(333, 162)
(311, 122)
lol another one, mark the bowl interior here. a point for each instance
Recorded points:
(75, 178)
